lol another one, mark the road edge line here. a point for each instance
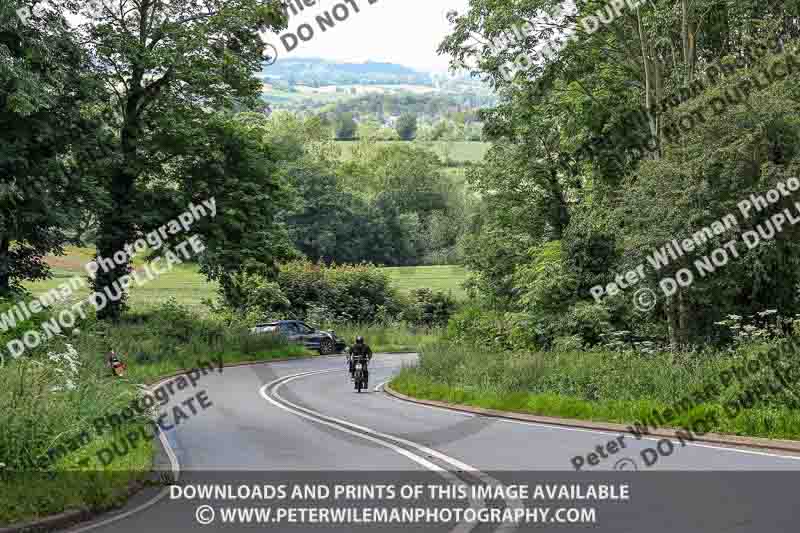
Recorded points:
(269, 392)
(75, 517)
(72, 520)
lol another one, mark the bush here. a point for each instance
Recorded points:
(7, 333)
(474, 324)
(171, 336)
(545, 285)
(572, 343)
(430, 308)
(336, 294)
(251, 293)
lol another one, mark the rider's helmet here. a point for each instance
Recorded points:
(359, 340)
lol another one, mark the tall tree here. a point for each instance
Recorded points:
(167, 63)
(610, 93)
(46, 92)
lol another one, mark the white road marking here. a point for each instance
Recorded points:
(654, 439)
(176, 471)
(554, 427)
(377, 437)
(433, 407)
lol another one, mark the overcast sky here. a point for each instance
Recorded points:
(407, 32)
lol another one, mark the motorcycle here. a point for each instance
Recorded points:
(360, 376)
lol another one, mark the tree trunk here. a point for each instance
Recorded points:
(683, 318)
(559, 212)
(117, 226)
(672, 321)
(650, 85)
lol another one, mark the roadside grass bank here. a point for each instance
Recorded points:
(171, 337)
(34, 495)
(398, 337)
(52, 394)
(55, 392)
(604, 386)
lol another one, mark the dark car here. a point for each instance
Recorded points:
(326, 342)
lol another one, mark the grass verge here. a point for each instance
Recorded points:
(49, 446)
(30, 496)
(390, 337)
(610, 387)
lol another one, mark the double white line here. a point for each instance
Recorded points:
(398, 445)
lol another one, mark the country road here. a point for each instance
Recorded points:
(301, 421)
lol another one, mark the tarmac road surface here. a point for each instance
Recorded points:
(301, 424)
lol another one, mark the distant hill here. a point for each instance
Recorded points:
(320, 72)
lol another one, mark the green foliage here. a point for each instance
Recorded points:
(54, 393)
(347, 293)
(569, 163)
(545, 285)
(337, 226)
(474, 324)
(45, 88)
(407, 126)
(15, 332)
(589, 248)
(603, 385)
(179, 62)
(417, 214)
(448, 279)
(429, 308)
(372, 130)
(388, 335)
(250, 293)
(345, 127)
(236, 171)
(385, 204)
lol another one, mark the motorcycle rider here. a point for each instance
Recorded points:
(360, 353)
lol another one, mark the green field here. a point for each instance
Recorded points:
(440, 278)
(458, 151)
(184, 283)
(190, 287)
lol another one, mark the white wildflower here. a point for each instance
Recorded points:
(65, 364)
